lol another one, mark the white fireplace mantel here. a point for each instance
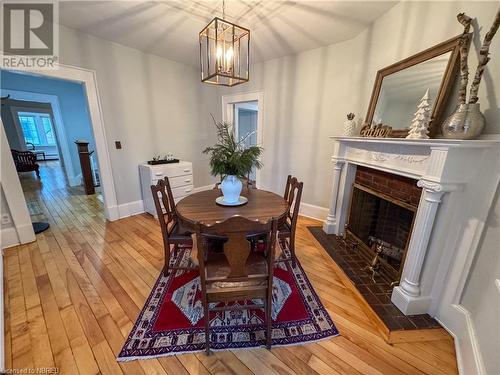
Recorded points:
(458, 181)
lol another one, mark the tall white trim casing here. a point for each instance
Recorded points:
(89, 80)
(58, 124)
(330, 226)
(228, 115)
(14, 193)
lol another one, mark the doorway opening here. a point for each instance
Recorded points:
(245, 125)
(245, 112)
(46, 158)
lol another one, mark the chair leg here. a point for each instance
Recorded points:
(269, 320)
(37, 173)
(167, 260)
(292, 250)
(207, 328)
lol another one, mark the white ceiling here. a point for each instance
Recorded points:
(170, 28)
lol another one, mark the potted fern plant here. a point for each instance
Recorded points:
(231, 160)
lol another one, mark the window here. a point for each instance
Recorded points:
(49, 132)
(37, 128)
(29, 129)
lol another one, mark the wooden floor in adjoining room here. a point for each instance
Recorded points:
(72, 297)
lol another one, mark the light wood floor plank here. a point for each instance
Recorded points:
(73, 296)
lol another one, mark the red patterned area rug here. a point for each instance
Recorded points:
(171, 321)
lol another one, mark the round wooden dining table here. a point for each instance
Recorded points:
(201, 207)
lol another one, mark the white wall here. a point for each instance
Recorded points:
(8, 234)
(308, 95)
(4, 209)
(150, 104)
(482, 293)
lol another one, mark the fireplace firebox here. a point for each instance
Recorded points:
(381, 215)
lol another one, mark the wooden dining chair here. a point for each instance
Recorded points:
(287, 228)
(238, 273)
(173, 233)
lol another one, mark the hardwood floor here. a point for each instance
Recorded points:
(72, 297)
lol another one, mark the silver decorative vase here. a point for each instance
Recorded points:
(467, 122)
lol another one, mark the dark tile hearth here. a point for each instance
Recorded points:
(378, 295)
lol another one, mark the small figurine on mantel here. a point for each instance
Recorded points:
(350, 126)
(419, 127)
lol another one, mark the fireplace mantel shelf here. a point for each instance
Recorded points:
(458, 180)
(476, 143)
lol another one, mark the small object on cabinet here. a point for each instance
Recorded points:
(167, 159)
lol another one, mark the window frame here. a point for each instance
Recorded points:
(40, 127)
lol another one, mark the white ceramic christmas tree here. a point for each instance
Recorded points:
(419, 127)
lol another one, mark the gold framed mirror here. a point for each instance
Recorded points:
(399, 87)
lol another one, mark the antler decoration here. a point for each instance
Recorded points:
(464, 53)
(483, 58)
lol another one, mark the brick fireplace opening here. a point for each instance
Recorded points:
(381, 214)
(380, 221)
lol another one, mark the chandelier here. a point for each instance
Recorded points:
(224, 52)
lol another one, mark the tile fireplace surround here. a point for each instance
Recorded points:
(458, 181)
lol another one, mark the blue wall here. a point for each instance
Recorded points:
(72, 101)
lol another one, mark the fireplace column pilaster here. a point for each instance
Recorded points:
(331, 223)
(407, 296)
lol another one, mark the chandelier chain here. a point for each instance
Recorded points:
(223, 9)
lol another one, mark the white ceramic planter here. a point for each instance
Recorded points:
(231, 188)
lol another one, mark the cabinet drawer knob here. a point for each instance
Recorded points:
(187, 180)
(187, 190)
(158, 174)
(187, 170)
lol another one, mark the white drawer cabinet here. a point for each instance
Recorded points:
(179, 174)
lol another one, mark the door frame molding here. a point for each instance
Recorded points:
(58, 124)
(228, 115)
(88, 78)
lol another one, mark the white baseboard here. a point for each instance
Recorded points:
(312, 211)
(461, 326)
(75, 180)
(25, 233)
(137, 207)
(112, 213)
(9, 237)
(130, 209)
(13, 236)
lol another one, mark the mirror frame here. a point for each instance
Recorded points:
(450, 45)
